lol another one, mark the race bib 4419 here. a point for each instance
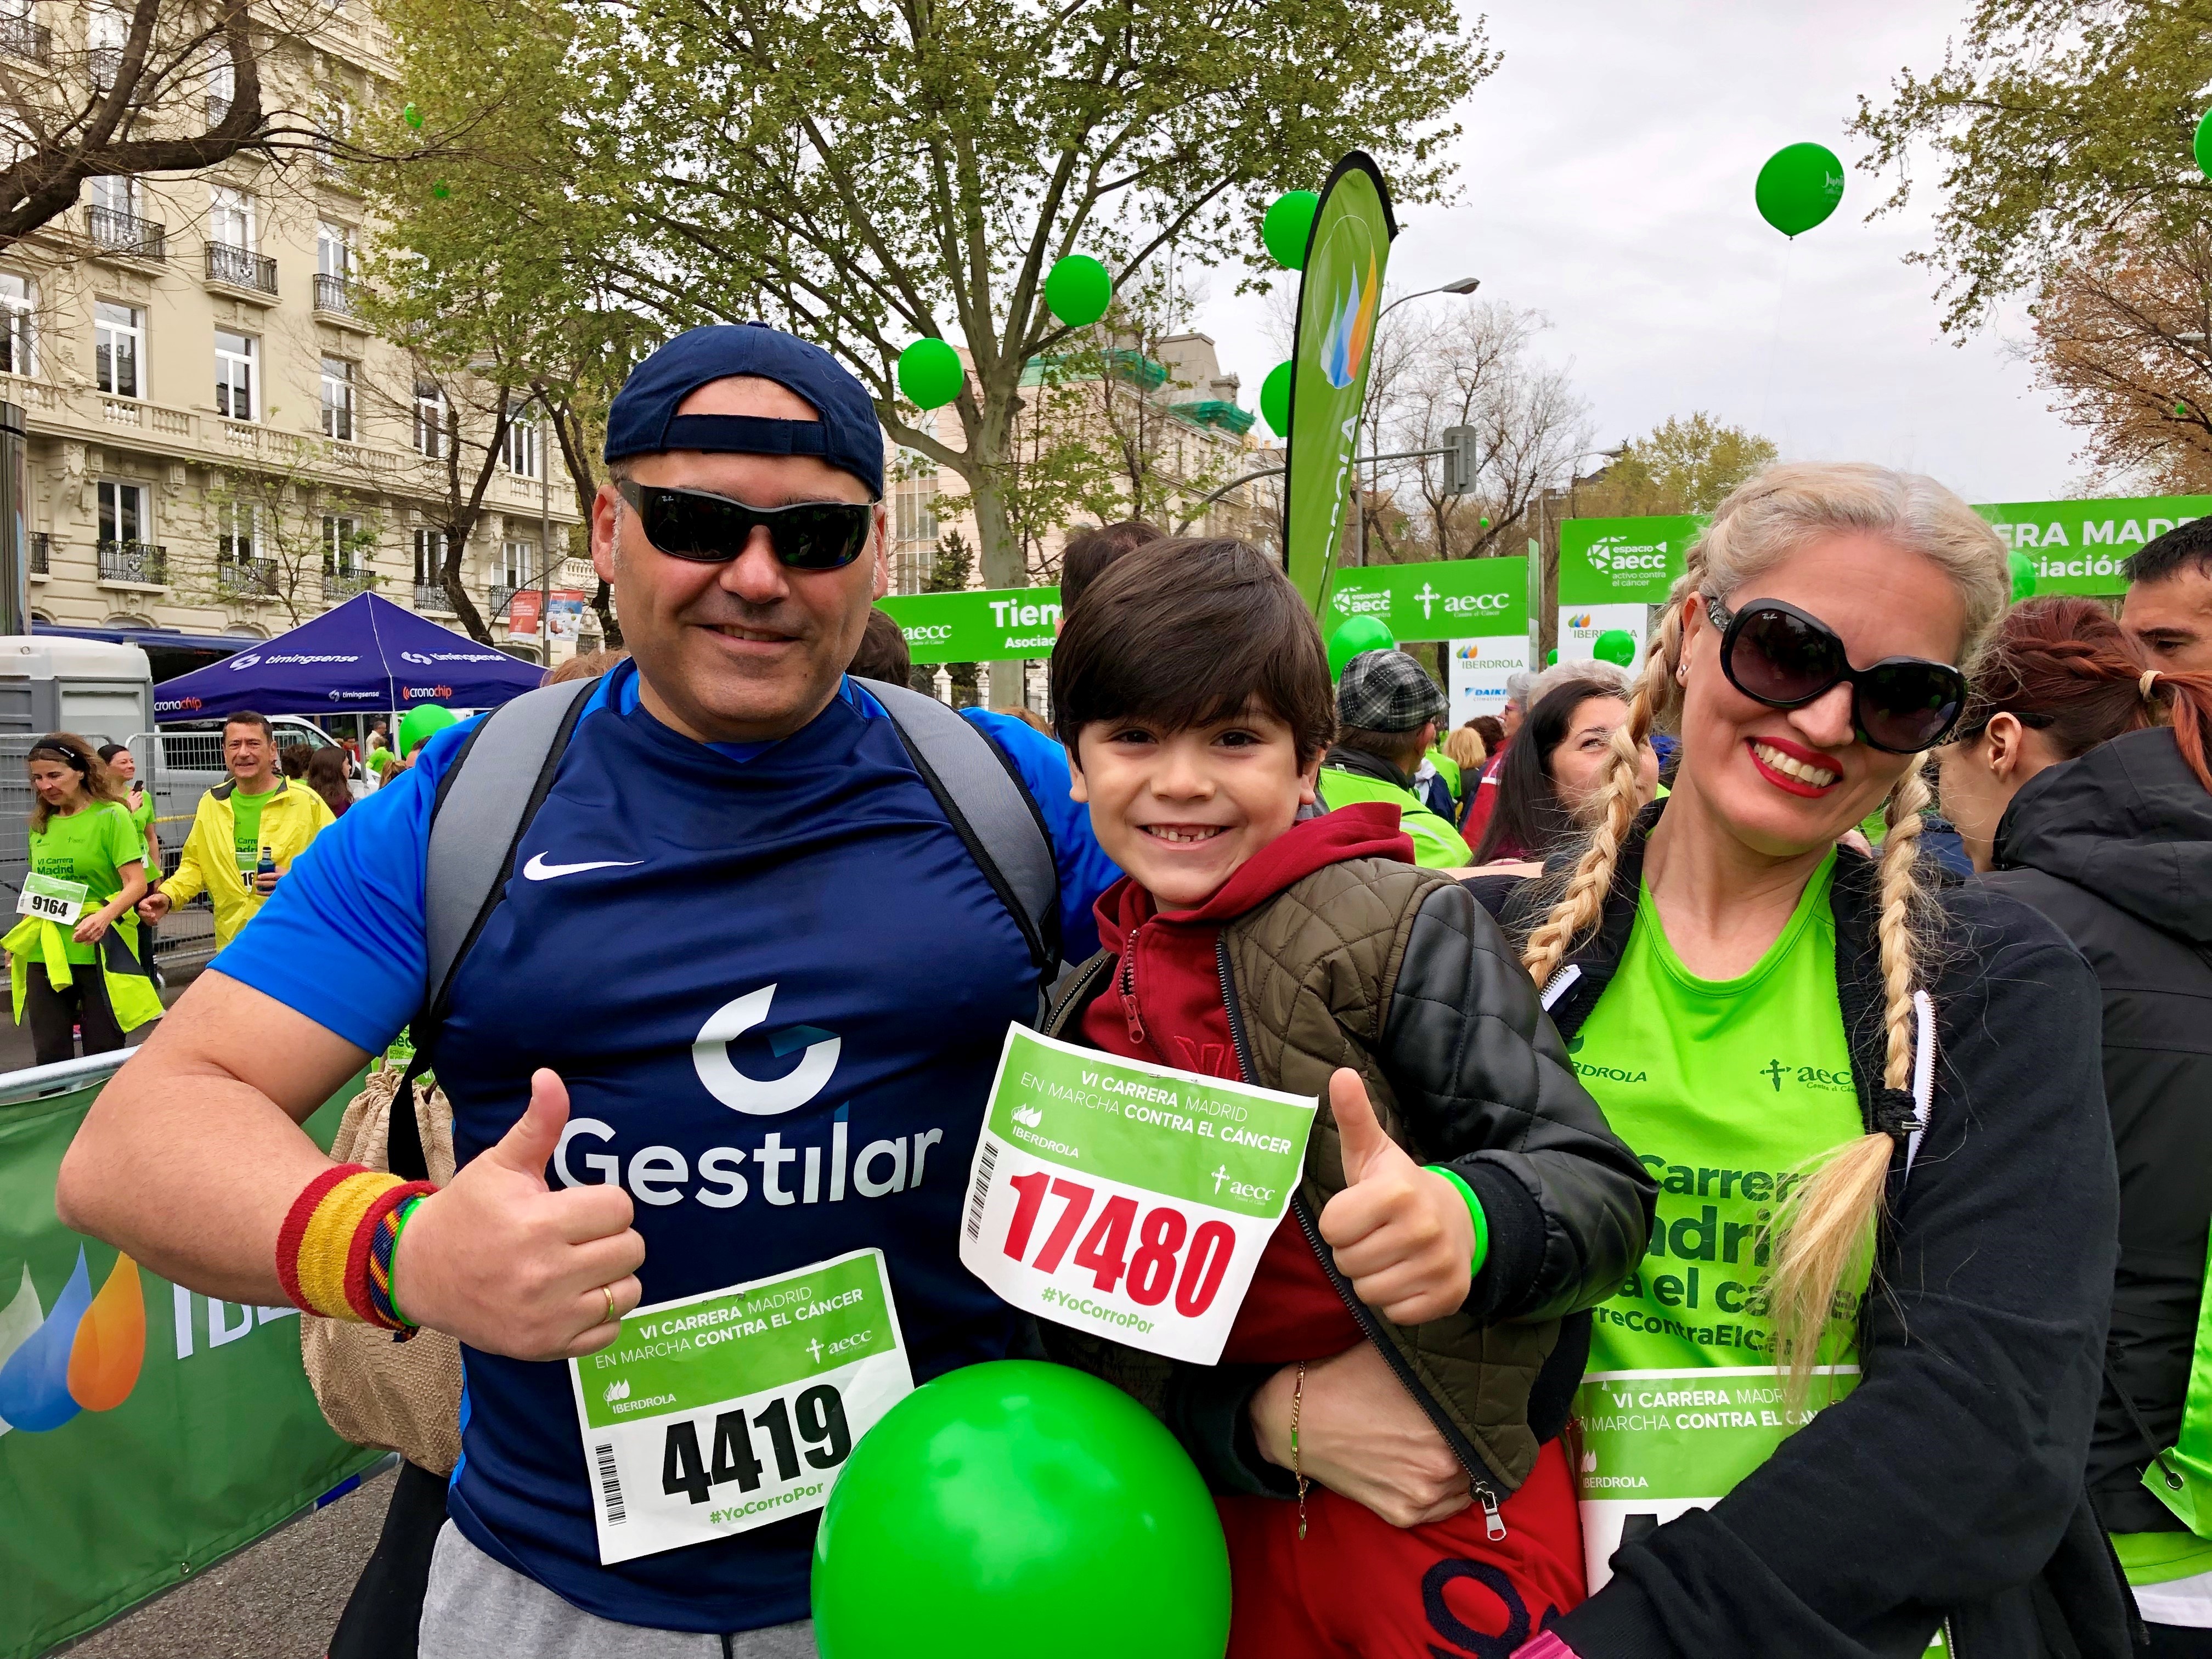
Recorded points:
(1127, 1198)
(721, 1412)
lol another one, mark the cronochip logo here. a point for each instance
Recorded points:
(432, 691)
(710, 1058)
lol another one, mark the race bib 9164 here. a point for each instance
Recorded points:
(50, 898)
(1127, 1199)
(721, 1412)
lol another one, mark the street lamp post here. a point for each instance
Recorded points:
(1461, 285)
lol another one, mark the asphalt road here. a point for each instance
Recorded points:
(277, 1599)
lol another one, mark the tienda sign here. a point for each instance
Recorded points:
(977, 624)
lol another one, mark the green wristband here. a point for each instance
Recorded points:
(1474, 1209)
(407, 1214)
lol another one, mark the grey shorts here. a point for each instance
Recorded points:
(479, 1609)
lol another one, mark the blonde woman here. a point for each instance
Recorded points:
(1842, 1406)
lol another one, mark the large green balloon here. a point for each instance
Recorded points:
(1799, 186)
(1288, 224)
(930, 374)
(1077, 290)
(421, 723)
(1551, 657)
(2023, 576)
(1016, 1509)
(2204, 145)
(1358, 635)
(1616, 644)
(1275, 398)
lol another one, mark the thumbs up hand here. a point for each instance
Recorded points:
(1401, 1234)
(498, 1260)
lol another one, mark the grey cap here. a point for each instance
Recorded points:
(1388, 691)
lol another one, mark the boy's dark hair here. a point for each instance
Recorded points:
(1087, 556)
(2185, 546)
(883, 655)
(1528, 816)
(1187, 631)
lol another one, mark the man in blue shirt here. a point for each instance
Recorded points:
(735, 1018)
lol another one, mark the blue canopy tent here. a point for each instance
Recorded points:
(368, 655)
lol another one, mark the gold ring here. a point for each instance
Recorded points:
(612, 1317)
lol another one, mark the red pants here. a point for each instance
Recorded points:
(1358, 1588)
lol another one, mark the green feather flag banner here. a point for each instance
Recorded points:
(1340, 298)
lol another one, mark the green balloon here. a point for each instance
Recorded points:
(2204, 145)
(1616, 644)
(1359, 635)
(930, 374)
(1799, 186)
(421, 723)
(1288, 224)
(1014, 1509)
(1551, 657)
(438, 190)
(1275, 398)
(1077, 290)
(2023, 576)
(412, 116)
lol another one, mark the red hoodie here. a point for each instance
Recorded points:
(1165, 1006)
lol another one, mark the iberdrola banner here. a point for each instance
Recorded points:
(1347, 255)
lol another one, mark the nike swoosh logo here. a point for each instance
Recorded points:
(538, 870)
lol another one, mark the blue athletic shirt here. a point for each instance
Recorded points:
(822, 870)
(1086, 871)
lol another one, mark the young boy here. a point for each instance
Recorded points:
(1423, 1326)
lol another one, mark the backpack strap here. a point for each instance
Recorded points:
(483, 804)
(990, 809)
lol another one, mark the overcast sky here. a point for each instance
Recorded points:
(1606, 176)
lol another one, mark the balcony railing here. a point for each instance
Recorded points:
(334, 294)
(21, 38)
(218, 109)
(134, 561)
(344, 584)
(41, 552)
(125, 233)
(103, 65)
(246, 577)
(501, 598)
(242, 267)
(432, 596)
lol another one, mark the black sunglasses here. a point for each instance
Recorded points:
(691, 524)
(1777, 654)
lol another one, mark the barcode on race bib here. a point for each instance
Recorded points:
(609, 1482)
(1137, 1199)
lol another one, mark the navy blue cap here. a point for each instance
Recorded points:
(643, 421)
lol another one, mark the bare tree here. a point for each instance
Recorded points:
(283, 532)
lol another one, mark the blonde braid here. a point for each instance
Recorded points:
(1581, 906)
(1828, 1230)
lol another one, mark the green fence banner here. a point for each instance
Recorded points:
(145, 1430)
(2078, 546)
(1448, 599)
(1623, 560)
(978, 625)
(1340, 298)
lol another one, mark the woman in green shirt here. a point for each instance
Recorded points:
(86, 853)
(1842, 1406)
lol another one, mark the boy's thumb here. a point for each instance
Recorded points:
(527, 1147)
(1360, 1134)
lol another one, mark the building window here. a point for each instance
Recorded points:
(430, 558)
(106, 32)
(230, 218)
(234, 376)
(524, 451)
(118, 342)
(518, 564)
(333, 250)
(18, 347)
(114, 192)
(430, 419)
(235, 524)
(221, 84)
(338, 400)
(123, 516)
(341, 544)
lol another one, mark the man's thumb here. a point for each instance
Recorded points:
(528, 1147)
(1361, 1136)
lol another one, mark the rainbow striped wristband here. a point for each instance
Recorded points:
(334, 1251)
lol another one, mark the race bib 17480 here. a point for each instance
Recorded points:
(721, 1412)
(1127, 1198)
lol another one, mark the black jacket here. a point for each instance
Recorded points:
(2116, 847)
(1947, 1487)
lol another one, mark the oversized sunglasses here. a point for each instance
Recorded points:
(691, 524)
(1777, 654)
